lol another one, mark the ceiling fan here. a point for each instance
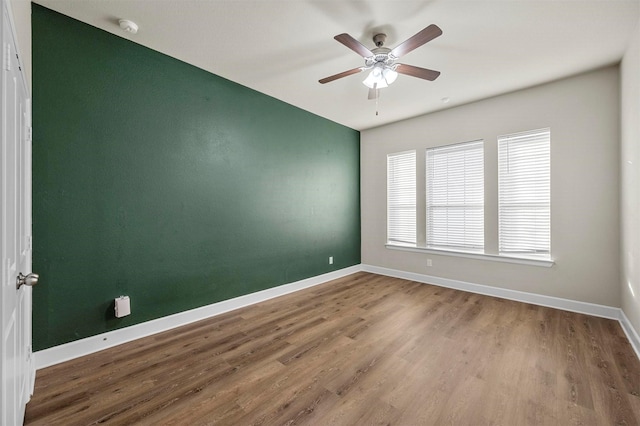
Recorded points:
(382, 60)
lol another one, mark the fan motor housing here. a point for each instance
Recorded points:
(381, 54)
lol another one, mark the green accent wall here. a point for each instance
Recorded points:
(158, 180)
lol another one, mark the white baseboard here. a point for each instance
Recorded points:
(503, 293)
(78, 348)
(631, 332)
(520, 296)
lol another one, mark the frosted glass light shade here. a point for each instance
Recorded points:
(375, 80)
(380, 78)
(389, 75)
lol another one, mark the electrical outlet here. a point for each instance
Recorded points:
(330, 260)
(429, 262)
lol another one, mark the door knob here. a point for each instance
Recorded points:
(29, 279)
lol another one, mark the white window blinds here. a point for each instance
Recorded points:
(401, 198)
(524, 193)
(455, 196)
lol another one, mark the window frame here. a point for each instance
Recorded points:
(397, 232)
(526, 194)
(455, 172)
(494, 255)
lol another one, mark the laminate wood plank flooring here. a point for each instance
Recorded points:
(361, 350)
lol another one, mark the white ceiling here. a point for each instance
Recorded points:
(282, 48)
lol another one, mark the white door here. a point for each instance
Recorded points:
(18, 371)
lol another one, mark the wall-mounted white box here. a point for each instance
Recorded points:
(123, 306)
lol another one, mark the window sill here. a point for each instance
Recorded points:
(470, 255)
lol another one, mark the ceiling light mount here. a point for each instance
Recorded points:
(379, 39)
(128, 26)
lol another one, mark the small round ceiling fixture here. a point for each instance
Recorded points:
(128, 26)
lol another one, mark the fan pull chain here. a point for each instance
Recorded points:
(377, 97)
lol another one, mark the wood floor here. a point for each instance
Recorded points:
(361, 350)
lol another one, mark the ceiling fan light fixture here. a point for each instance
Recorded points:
(375, 80)
(381, 61)
(380, 77)
(389, 75)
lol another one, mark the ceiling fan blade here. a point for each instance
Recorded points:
(417, 72)
(340, 75)
(424, 36)
(354, 45)
(373, 94)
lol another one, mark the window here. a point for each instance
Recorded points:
(401, 198)
(524, 193)
(455, 196)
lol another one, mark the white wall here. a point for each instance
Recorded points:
(583, 114)
(630, 181)
(22, 20)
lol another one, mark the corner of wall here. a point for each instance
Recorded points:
(630, 182)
